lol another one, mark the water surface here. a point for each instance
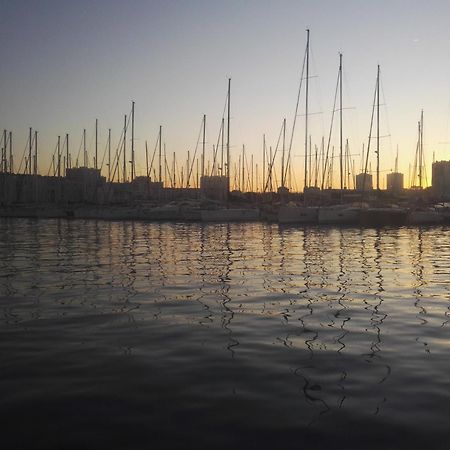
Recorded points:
(160, 335)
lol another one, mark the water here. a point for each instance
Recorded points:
(137, 335)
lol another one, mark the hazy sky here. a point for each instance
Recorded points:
(65, 63)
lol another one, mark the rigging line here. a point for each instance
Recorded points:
(52, 160)
(273, 158)
(193, 157)
(222, 126)
(24, 153)
(149, 173)
(168, 168)
(330, 133)
(317, 84)
(217, 146)
(351, 119)
(79, 150)
(118, 152)
(386, 116)
(116, 157)
(370, 138)
(120, 145)
(296, 111)
(104, 155)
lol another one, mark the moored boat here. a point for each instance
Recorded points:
(339, 214)
(297, 214)
(424, 217)
(229, 215)
(377, 217)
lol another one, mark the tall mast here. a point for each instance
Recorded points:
(222, 138)
(228, 134)
(283, 181)
(124, 149)
(109, 154)
(4, 160)
(67, 152)
(378, 128)
(270, 168)
(35, 153)
(96, 144)
(306, 109)
(264, 164)
(203, 147)
(160, 167)
(243, 168)
(58, 158)
(132, 143)
(84, 148)
(251, 178)
(174, 180)
(165, 165)
(146, 159)
(340, 120)
(421, 149)
(29, 151)
(11, 160)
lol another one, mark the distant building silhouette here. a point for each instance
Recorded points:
(441, 179)
(364, 182)
(394, 182)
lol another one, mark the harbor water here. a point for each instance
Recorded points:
(135, 335)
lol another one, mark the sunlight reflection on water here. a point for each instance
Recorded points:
(178, 333)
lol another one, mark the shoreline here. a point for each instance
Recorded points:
(336, 215)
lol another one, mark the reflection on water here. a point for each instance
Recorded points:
(191, 335)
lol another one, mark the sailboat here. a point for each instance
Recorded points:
(299, 213)
(385, 215)
(417, 215)
(339, 214)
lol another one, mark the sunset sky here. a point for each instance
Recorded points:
(66, 63)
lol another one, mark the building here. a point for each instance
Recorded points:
(214, 187)
(82, 184)
(394, 182)
(441, 179)
(364, 182)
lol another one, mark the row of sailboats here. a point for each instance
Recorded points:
(347, 213)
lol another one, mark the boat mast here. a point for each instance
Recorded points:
(340, 120)
(160, 167)
(174, 183)
(67, 152)
(29, 151)
(420, 149)
(124, 149)
(11, 160)
(96, 143)
(203, 148)
(133, 174)
(59, 158)
(109, 154)
(264, 164)
(283, 181)
(4, 161)
(378, 128)
(222, 138)
(228, 135)
(84, 148)
(4, 158)
(35, 153)
(306, 109)
(243, 168)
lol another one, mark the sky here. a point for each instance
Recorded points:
(65, 63)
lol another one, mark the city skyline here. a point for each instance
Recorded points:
(65, 65)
